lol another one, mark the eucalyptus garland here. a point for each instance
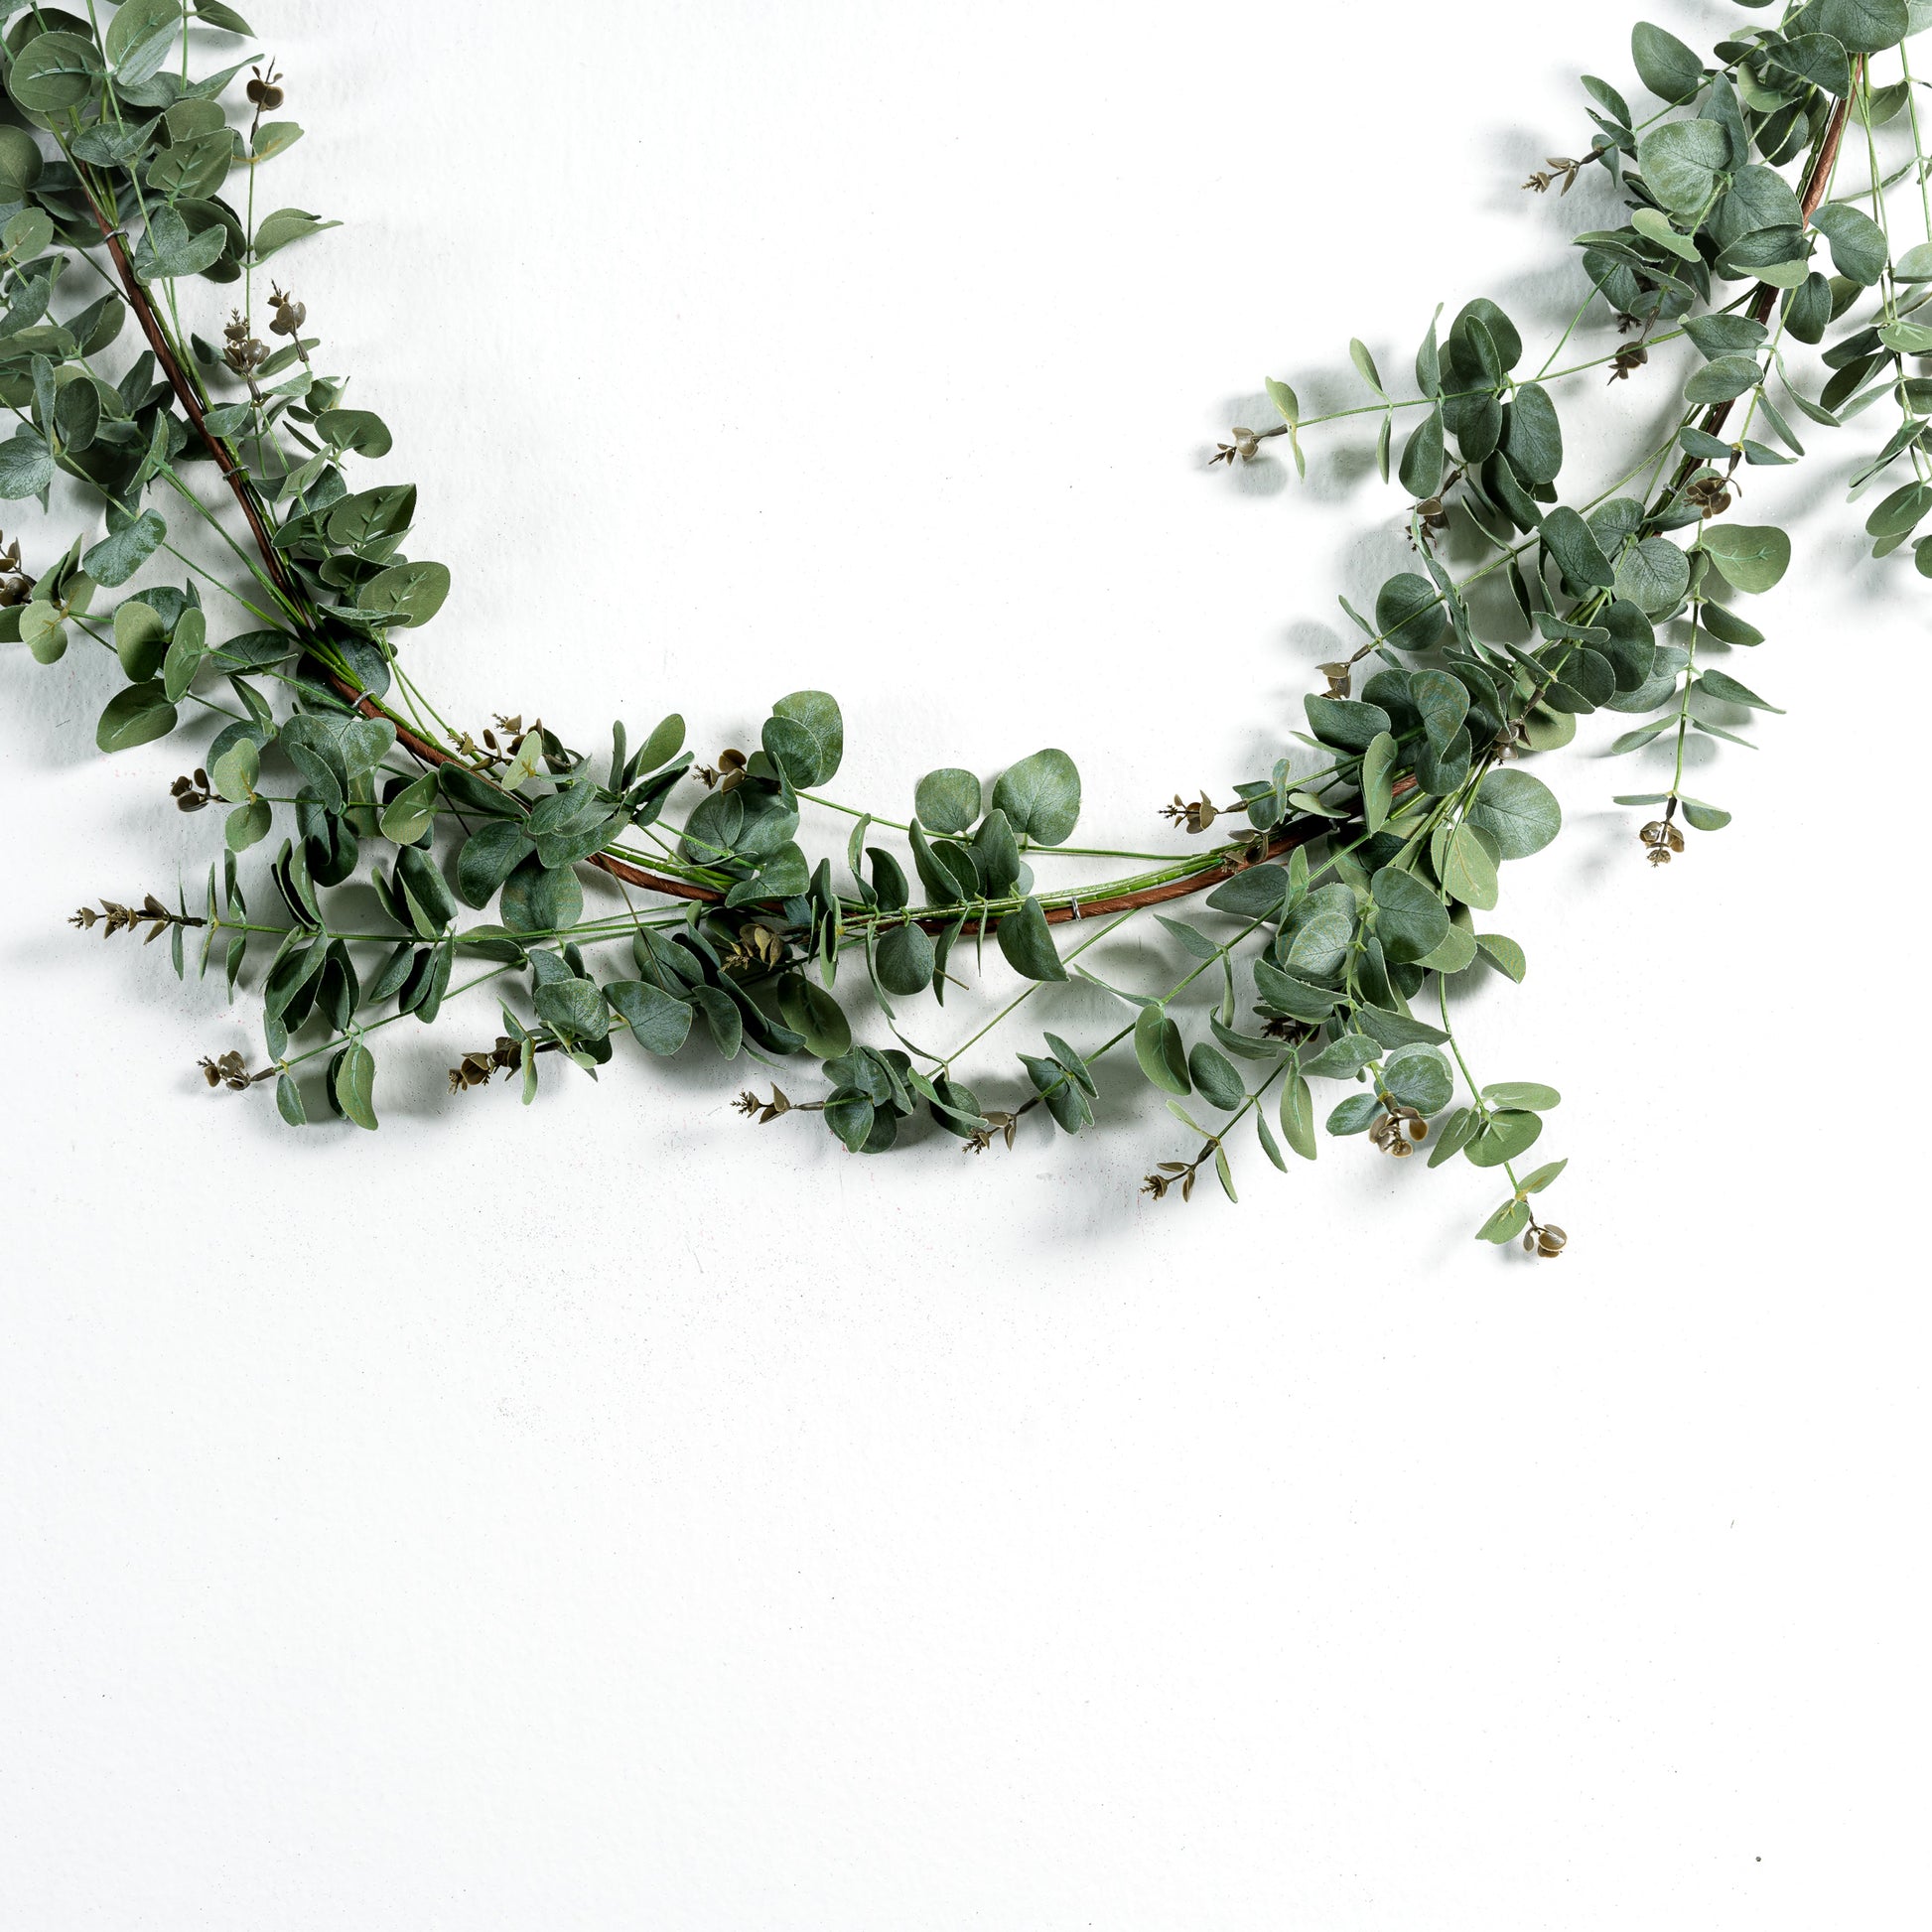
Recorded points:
(1335, 897)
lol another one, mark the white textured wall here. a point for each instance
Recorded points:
(608, 1515)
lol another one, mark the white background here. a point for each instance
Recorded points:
(612, 1515)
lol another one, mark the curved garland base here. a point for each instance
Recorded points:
(1335, 921)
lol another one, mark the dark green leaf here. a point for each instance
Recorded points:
(1518, 811)
(1421, 468)
(905, 960)
(1578, 556)
(1215, 1079)
(1532, 436)
(284, 225)
(1041, 796)
(1681, 161)
(1503, 1138)
(1858, 242)
(1297, 1116)
(354, 1084)
(1664, 64)
(1258, 892)
(1157, 1046)
(947, 800)
(1419, 1078)
(1028, 943)
(134, 716)
(1751, 557)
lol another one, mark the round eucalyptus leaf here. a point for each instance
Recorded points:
(1532, 436)
(538, 899)
(1664, 64)
(1410, 920)
(1215, 1077)
(1518, 811)
(1681, 161)
(140, 639)
(1158, 1047)
(54, 71)
(905, 960)
(1503, 1138)
(1355, 1114)
(947, 800)
(135, 716)
(1751, 557)
(1041, 796)
(1419, 1078)
(849, 1115)
(353, 1084)
(410, 592)
(817, 714)
(1653, 575)
(21, 163)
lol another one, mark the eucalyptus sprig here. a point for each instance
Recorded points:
(1332, 889)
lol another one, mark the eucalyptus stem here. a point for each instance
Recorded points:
(1346, 887)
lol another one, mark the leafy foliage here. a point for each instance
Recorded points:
(1348, 882)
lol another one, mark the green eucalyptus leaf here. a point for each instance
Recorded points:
(1664, 64)
(1504, 1136)
(1532, 436)
(948, 800)
(656, 1021)
(412, 811)
(1215, 1079)
(905, 960)
(1503, 1226)
(1026, 942)
(1410, 920)
(1518, 810)
(284, 225)
(1419, 1078)
(353, 1084)
(54, 71)
(1751, 557)
(1505, 952)
(135, 716)
(1297, 1116)
(1681, 162)
(1858, 244)
(1159, 1048)
(1528, 1096)
(140, 640)
(1041, 796)
(1653, 575)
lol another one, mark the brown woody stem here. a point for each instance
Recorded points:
(435, 755)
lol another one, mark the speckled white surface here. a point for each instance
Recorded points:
(609, 1516)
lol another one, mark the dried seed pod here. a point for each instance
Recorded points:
(1551, 1242)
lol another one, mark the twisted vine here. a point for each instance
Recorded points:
(1357, 867)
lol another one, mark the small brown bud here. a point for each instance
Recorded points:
(289, 314)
